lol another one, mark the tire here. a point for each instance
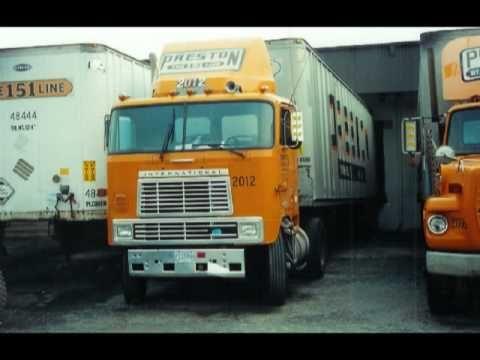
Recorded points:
(134, 289)
(440, 291)
(317, 257)
(3, 291)
(275, 275)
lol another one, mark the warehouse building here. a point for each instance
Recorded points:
(388, 77)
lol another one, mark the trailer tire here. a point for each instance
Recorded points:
(134, 289)
(3, 291)
(439, 293)
(275, 275)
(317, 257)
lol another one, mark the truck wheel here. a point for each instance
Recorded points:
(275, 276)
(439, 293)
(317, 257)
(3, 291)
(134, 289)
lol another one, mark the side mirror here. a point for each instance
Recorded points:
(106, 130)
(296, 127)
(445, 154)
(411, 136)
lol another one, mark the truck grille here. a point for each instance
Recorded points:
(190, 230)
(194, 196)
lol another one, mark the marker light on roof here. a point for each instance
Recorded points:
(231, 87)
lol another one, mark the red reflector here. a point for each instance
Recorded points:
(455, 188)
(201, 254)
(101, 192)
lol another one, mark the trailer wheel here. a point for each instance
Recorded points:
(275, 276)
(3, 291)
(439, 293)
(317, 257)
(134, 289)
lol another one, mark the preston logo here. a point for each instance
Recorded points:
(22, 67)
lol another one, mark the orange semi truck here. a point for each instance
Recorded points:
(451, 214)
(217, 175)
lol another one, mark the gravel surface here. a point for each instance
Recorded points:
(372, 286)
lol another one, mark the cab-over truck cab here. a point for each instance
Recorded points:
(202, 177)
(451, 215)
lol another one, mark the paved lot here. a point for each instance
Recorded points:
(374, 286)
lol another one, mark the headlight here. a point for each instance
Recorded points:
(124, 231)
(249, 229)
(437, 224)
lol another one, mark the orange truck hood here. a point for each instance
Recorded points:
(461, 209)
(254, 195)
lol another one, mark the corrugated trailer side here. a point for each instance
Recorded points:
(338, 160)
(36, 130)
(109, 74)
(63, 176)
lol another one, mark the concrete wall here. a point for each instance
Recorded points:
(381, 68)
(401, 210)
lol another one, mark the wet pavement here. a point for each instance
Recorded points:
(376, 285)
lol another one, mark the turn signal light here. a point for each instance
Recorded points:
(455, 188)
(120, 201)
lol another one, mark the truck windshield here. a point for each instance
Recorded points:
(232, 125)
(464, 131)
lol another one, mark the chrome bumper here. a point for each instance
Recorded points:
(453, 264)
(225, 263)
(158, 232)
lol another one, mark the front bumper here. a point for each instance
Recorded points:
(224, 263)
(453, 264)
(189, 231)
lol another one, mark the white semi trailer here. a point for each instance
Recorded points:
(53, 102)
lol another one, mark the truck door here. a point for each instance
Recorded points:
(288, 164)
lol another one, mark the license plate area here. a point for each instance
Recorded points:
(182, 256)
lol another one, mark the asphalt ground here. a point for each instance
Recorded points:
(371, 285)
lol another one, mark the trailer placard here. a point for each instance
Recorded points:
(35, 88)
(89, 170)
(6, 191)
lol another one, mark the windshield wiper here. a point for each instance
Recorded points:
(221, 146)
(171, 130)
